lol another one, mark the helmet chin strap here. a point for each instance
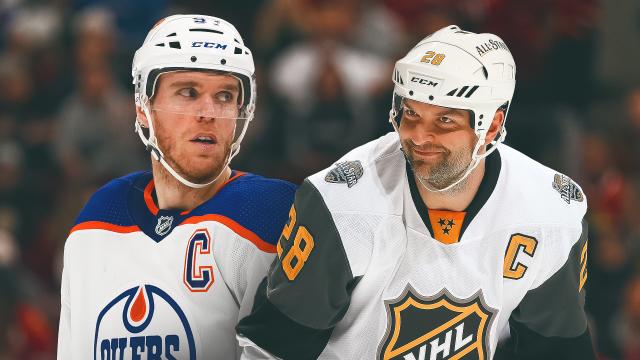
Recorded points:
(152, 145)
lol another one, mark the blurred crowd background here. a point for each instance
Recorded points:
(324, 76)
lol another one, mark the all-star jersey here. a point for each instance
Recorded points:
(145, 283)
(366, 271)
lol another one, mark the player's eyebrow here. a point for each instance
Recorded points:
(406, 104)
(185, 83)
(191, 83)
(231, 87)
(454, 112)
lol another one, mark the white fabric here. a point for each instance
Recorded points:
(389, 246)
(99, 265)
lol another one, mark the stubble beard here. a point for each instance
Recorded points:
(443, 173)
(187, 170)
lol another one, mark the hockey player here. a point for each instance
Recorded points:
(434, 241)
(162, 265)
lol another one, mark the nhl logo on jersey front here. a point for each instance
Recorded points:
(164, 225)
(436, 327)
(346, 172)
(143, 322)
(567, 188)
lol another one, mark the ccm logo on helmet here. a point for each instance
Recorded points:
(422, 81)
(210, 45)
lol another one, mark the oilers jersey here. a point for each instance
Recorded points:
(366, 271)
(146, 283)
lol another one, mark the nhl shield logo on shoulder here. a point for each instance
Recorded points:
(346, 172)
(164, 225)
(567, 188)
(438, 327)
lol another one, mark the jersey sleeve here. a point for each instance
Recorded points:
(308, 288)
(260, 207)
(550, 322)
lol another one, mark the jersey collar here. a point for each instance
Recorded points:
(449, 226)
(154, 222)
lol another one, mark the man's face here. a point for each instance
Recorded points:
(194, 118)
(438, 142)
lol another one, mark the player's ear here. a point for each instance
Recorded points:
(496, 125)
(141, 117)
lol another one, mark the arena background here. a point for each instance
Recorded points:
(324, 77)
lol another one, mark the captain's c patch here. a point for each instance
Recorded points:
(436, 327)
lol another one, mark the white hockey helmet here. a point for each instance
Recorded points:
(193, 43)
(462, 70)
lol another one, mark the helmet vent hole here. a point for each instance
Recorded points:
(479, 123)
(207, 30)
(411, 92)
(431, 97)
(174, 45)
(236, 40)
(481, 116)
(161, 44)
(170, 35)
(194, 59)
(223, 61)
(237, 51)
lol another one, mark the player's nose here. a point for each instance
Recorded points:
(421, 135)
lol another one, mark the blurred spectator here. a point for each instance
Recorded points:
(132, 19)
(628, 327)
(94, 136)
(32, 27)
(419, 18)
(95, 33)
(327, 87)
(618, 54)
(16, 92)
(367, 24)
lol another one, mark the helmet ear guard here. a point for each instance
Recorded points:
(193, 43)
(461, 70)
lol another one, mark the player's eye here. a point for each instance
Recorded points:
(224, 96)
(188, 92)
(409, 112)
(446, 120)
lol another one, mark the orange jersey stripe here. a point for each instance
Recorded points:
(237, 228)
(151, 205)
(101, 225)
(148, 199)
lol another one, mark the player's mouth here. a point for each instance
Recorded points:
(428, 153)
(204, 139)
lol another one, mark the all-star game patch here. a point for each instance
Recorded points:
(347, 172)
(567, 188)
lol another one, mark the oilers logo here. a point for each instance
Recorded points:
(143, 322)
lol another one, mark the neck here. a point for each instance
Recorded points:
(172, 194)
(459, 197)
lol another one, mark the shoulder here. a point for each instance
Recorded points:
(548, 196)
(366, 180)
(109, 205)
(254, 203)
(535, 197)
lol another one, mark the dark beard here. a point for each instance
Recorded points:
(441, 174)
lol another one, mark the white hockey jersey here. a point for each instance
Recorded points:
(145, 283)
(366, 271)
